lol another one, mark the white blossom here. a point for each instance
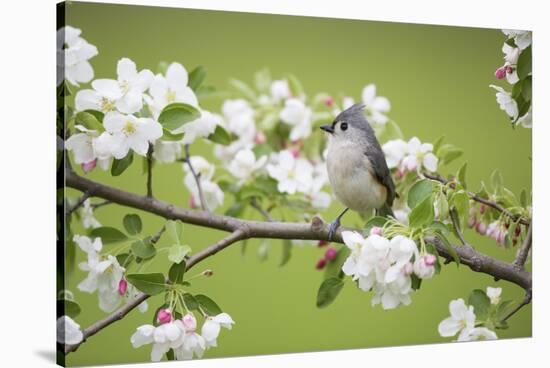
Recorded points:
(462, 320)
(244, 165)
(477, 334)
(292, 174)
(166, 151)
(68, 331)
(376, 106)
(199, 128)
(201, 166)
(526, 120)
(171, 88)
(410, 156)
(511, 55)
(73, 53)
(212, 326)
(280, 90)
(521, 38)
(80, 144)
(506, 102)
(239, 117)
(296, 114)
(87, 214)
(494, 294)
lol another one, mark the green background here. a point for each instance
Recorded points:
(436, 78)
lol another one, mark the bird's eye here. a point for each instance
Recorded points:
(344, 126)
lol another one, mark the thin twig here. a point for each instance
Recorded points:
(150, 171)
(95, 206)
(456, 226)
(234, 237)
(524, 302)
(78, 203)
(197, 179)
(486, 202)
(525, 247)
(257, 207)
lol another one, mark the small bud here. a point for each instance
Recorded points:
(207, 273)
(259, 138)
(482, 209)
(430, 259)
(399, 173)
(329, 101)
(164, 316)
(189, 322)
(321, 264)
(322, 243)
(472, 222)
(481, 228)
(88, 166)
(375, 230)
(122, 286)
(330, 254)
(517, 231)
(192, 203)
(500, 72)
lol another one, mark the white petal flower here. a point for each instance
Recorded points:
(280, 90)
(87, 214)
(244, 165)
(166, 151)
(68, 331)
(494, 294)
(73, 53)
(376, 106)
(395, 151)
(292, 174)
(506, 102)
(240, 118)
(81, 146)
(211, 328)
(296, 114)
(477, 334)
(413, 154)
(462, 317)
(526, 120)
(521, 38)
(201, 166)
(199, 128)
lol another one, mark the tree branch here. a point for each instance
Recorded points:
(475, 197)
(197, 179)
(150, 170)
(524, 302)
(78, 203)
(243, 229)
(234, 237)
(523, 252)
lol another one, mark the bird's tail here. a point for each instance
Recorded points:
(385, 211)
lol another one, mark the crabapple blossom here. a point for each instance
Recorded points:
(462, 320)
(410, 156)
(506, 102)
(511, 55)
(526, 120)
(199, 128)
(212, 326)
(424, 266)
(73, 53)
(494, 294)
(280, 90)
(122, 286)
(321, 264)
(239, 117)
(292, 174)
(521, 38)
(296, 114)
(477, 334)
(202, 167)
(330, 254)
(375, 230)
(164, 316)
(376, 106)
(164, 337)
(87, 215)
(166, 151)
(496, 231)
(171, 88)
(244, 165)
(128, 132)
(212, 193)
(81, 145)
(68, 331)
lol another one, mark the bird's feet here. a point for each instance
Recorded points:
(332, 227)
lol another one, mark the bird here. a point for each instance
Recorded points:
(356, 166)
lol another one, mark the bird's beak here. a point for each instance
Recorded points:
(327, 128)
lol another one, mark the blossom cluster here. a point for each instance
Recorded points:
(73, 54)
(386, 266)
(105, 275)
(409, 156)
(499, 230)
(180, 335)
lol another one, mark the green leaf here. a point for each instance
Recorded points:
(243, 89)
(148, 283)
(144, 248)
(220, 136)
(527, 88)
(524, 63)
(450, 153)
(89, 121)
(70, 307)
(132, 224)
(461, 203)
(266, 184)
(375, 221)
(119, 166)
(236, 209)
(190, 302)
(294, 85)
(176, 272)
(169, 136)
(439, 227)
(174, 229)
(415, 282)
(419, 192)
(177, 252)
(269, 121)
(334, 268)
(205, 91)
(108, 234)
(176, 114)
(388, 131)
(423, 214)
(462, 174)
(437, 145)
(287, 252)
(503, 309)
(496, 181)
(449, 247)
(328, 291)
(208, 305)
(481, 303)
(196, 77)
(124, 259)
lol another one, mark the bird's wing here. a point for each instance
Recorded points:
(380, 170)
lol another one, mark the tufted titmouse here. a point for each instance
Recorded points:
(356, 165)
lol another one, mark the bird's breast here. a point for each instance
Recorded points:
(351, 178)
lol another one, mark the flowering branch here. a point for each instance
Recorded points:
(524, 250)
(196, 177)
(484, 201)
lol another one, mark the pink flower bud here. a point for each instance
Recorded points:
(472, 222)
(500, 72)
(295, 152)
(88, 166)
(482, 209)
(321, 264)
(330, 254)
(501, 237)
(399, 173)
(189, 322)
(408, 269)
(481, 228)
(192, 203)
(122, 286)
(509, 69)
(329, 101)
(164, 316)
(322, 243)
(430, 259)
(259, 138)
(375, 230)
(517, 231)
